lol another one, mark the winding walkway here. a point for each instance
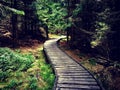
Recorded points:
(70, 75)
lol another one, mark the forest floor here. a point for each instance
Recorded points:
(109, 77)
(33, 45)
(39, 75)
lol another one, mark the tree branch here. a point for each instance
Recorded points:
(83, 30)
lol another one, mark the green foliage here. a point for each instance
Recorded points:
(47, 75)
(101, 31)
(46, 72)
(3, 75)
(18, 74)
(102, 28)
(92, 61)
(15, 11)
(15, 67)
(12, 84)
(6, 10)
(77, 10)
(11, 61)
(52, 14)
(33, 83)
(27, 62)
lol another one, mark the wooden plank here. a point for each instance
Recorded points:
(86, 87)
(70, 75)
(76, 76)
(77, 79)
(73, 74)
(67, 88)
(71, 71)
(76, 82)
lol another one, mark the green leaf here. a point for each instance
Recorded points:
(19, 12)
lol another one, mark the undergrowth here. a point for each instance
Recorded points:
(24, 71)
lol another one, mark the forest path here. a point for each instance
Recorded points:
(70, 75)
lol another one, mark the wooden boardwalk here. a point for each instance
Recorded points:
(70, 75)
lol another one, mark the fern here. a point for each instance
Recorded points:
(11, 61)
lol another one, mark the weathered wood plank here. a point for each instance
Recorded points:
(76, 82)
(70, 75)
(92, 87)
(77, 79)
(76, 76)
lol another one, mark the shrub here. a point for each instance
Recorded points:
(12, 85)
(92, 61)
(3, 75)
(33, 83)
(14, 61)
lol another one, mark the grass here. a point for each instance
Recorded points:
(25, 70)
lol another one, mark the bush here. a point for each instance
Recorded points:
(14, 65)
(12, 85)
(33, 83)
(14, 61)
(3, 75)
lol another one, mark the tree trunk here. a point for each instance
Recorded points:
(14, 21)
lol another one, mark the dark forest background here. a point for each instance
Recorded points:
(90, 25)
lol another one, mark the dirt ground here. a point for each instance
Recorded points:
(30, 45)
